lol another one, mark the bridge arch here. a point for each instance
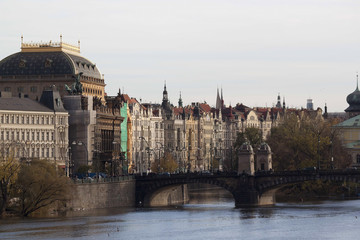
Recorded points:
(270, 185)
(156, 192)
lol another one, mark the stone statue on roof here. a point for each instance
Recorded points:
(76, 87)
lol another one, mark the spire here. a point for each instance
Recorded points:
(278, 104)
(357, 81)
(284, 102)
(180, 101)
(222, 99)
(165, 101)
(165, 94)
(218, 100)
(325, 115)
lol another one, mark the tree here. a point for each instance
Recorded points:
(252, 135)
(167, 163)
(40, 185)
(300, 143)
(9, 168)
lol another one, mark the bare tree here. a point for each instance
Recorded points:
(40, 185)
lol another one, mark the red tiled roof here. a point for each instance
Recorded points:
(205, 107)
(126, 97)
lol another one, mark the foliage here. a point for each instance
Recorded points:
(167, 163)
(297, 144)
(84, 169)
(9, 169)
(39, 185)
(311, 190)
(252, 135)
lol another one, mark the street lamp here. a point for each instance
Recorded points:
(332, 158)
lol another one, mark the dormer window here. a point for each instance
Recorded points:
(22, 63)
(48, 63)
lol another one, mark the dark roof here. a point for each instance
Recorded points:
(47, 63)
(353, 100)
(52, 100)
(22, 104)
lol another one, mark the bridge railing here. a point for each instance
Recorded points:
(257, 174)
(309, 172)
(104, 180)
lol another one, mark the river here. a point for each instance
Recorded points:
(209, 215)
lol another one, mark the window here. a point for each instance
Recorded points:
(22, 63)
(48, 63)
(358, 158)
(20, 89)
(33, 89)
(7, 89)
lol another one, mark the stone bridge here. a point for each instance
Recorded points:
(247, 190)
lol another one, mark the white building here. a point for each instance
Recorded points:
(30, 129)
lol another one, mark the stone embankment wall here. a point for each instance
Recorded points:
(86, 196)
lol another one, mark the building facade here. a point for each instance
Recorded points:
(34, 130)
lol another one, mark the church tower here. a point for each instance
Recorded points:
(219, 100)
(353, 100)
(278, 104)
(180, 101)
(165, 101)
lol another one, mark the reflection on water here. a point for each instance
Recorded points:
(209, 215)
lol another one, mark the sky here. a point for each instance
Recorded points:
(252, 49)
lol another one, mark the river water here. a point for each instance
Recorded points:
(209, 215)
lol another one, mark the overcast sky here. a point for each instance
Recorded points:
(253, 49)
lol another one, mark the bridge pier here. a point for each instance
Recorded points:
(252, 198)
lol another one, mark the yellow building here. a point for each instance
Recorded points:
(39, 66)
(349, 131)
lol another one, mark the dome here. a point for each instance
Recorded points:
(353, 100)
(47, 63)
(264, 147)
(246, 147)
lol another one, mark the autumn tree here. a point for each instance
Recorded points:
(297, 144)
(167, 163)
(251, 135)
(40, 185)
(9, 168)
